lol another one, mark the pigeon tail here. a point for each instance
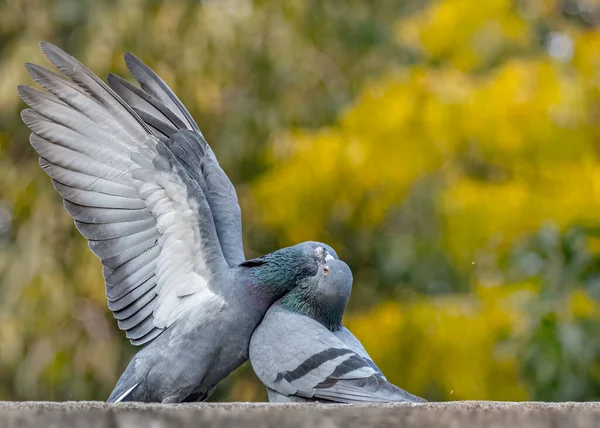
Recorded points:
(121, 397)
(129, 387)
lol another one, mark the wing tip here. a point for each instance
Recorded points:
(116, 83)
(63, 61)
(21, 89)
(31, 95)
(31, 117)
(28, 116)
(113, 80)
(25, 111)
(49, 49)
(136, 67)
(131, 59)
(27, 93)
(30, 66)
(36, 71)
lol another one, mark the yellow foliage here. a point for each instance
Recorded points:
(515, 140)
(509, 132)
(383, 144)
(449, 344)
(454, 345)
(528, 119)
(582, 306)
(586, 58)
(467, 34)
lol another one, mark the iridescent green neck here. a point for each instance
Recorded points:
(306, 301)
(276, 274)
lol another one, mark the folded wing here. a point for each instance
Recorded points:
(353, 343)
(145, 216)
(296, 356)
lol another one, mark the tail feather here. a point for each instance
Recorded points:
(131, 384)
(122, 397)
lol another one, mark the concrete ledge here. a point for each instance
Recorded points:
(460, 414)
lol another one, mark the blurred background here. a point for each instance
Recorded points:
(448, 150)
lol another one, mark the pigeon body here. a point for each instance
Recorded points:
(146, 190)
(301, 352)
(353, 344)
(186, 362)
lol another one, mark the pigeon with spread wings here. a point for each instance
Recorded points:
(146, 190)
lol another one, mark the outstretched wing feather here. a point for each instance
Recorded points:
(144, 216)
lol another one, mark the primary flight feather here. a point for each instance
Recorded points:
(146, 190)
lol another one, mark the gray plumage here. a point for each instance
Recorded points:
(301, 351)
(146, 190)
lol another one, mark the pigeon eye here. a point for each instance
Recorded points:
(325, 270)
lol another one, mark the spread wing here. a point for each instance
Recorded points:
(145, 216)
(296, 356)
(165, 115)
(155, 102)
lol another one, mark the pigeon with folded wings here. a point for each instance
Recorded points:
(301, 351)
(146, 190)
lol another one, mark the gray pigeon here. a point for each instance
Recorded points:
(145, 189)
(301, 351)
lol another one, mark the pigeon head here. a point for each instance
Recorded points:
(316, 252)
(310, 251)
(277, 273)
(332, 284)
(322, 297)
